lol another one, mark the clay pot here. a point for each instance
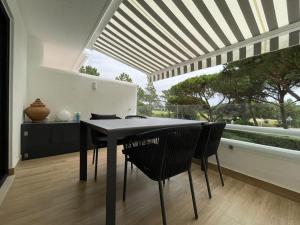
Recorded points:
(37, 111)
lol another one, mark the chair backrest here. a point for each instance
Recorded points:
(135, 117)
(172, 149)
(180, 147)
(202, 141)
(210, 139)
(95, 116)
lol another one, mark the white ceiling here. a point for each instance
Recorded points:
(64, 27)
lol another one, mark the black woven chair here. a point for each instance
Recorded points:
(208, 145)
(162, 154)
(99, 140)
(135, 117)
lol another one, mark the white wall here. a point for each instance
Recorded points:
(60, 89)
(18, 76)
(274, 165)
(57, 88)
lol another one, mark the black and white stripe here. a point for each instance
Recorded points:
(166, 38)
(249, 50)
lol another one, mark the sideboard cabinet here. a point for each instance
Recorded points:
(49, 138)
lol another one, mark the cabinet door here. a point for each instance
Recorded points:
(65, 138)
(36, 140)
(41, 140)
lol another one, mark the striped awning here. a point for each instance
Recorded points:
(166, 38)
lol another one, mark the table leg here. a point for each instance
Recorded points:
(83, 151)
(111, 180)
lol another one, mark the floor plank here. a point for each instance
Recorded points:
(48, 192)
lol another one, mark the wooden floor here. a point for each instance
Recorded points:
(47, 192)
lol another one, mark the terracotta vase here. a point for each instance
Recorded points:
(37, 111)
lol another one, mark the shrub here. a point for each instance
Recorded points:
(264, 139)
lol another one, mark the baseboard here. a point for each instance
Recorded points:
(11, 171)
(5, 187)
(284, 192)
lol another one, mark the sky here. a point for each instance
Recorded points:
(110, 68)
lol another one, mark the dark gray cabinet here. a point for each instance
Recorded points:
(50, 138)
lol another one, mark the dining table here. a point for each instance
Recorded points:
(116, 130)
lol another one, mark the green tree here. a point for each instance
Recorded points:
(281, 72)
(141, 94)
(151, 98)
(124, 77)
(147, 99)
(266, 78)
(240, 84)
(199, 90)
(266, 110)
(292, 112)
(141, 101)
(165, 98)
(89, 70)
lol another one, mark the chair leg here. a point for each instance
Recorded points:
(206, 178)
(96, 164)
(161, 195)
(202, 166)
(94, 151)
(125, 179)
(193, 194)
(131, 166)
(219, 168)
(204, 162)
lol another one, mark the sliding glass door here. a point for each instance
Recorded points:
(4, 92)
